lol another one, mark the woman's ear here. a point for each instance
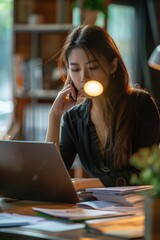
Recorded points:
(114, 65)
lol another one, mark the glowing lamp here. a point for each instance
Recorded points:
(93, 88)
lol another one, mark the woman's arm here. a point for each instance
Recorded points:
(60, 105)
(53, 128)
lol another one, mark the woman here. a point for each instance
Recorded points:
(105, 130)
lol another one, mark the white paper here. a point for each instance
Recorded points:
(101, 205)
(125, 196)
(120, 199)
(55, 226)
(110, 206)
(77, 214)
(10, 220)
(120, 190)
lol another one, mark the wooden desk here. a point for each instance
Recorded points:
(25, 207)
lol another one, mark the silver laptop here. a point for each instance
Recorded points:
(34, 171)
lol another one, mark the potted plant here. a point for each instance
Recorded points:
(147, 160)
(92, 7)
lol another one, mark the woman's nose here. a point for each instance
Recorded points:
(84, 77)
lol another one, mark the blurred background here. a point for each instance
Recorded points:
(33, 31)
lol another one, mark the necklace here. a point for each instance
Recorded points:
(101, 131)
(102, 136)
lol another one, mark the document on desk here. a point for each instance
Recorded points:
(129, 227)
(77, 214)
(125, 195)
(55, 226)
(120, 190)
(10, 220)
(109, 206)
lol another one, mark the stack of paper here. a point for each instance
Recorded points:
(109, 206)
(124, 196)
(76, 214)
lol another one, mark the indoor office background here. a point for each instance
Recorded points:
(32, 31)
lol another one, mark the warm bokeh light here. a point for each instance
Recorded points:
(93, 88)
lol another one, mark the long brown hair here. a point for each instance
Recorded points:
(117, 106)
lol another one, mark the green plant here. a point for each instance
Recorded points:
(147, 160)
(100, 5)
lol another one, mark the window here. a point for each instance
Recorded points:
(121, 26)
(6, 106)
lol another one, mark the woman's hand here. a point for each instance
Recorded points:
(83, 183)
(59, 106)
(62, 102)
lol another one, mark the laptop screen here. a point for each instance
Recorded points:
(34, 171)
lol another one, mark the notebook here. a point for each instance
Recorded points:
(34, 171)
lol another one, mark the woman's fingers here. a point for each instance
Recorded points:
(67, 80)
(62, 102)
(65, 90)
(68, 89)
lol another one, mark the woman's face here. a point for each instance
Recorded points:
(84, 67)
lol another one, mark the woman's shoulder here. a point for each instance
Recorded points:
(142, 96)
(140, 93)
(144, 101)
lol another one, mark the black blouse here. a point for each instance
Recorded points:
(78, 136)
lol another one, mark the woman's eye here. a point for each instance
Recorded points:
(75, 70)
(93, 67)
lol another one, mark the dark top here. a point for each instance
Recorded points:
(78, 135)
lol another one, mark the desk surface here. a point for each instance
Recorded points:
(25, 207)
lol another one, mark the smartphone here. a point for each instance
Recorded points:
(76, 92)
